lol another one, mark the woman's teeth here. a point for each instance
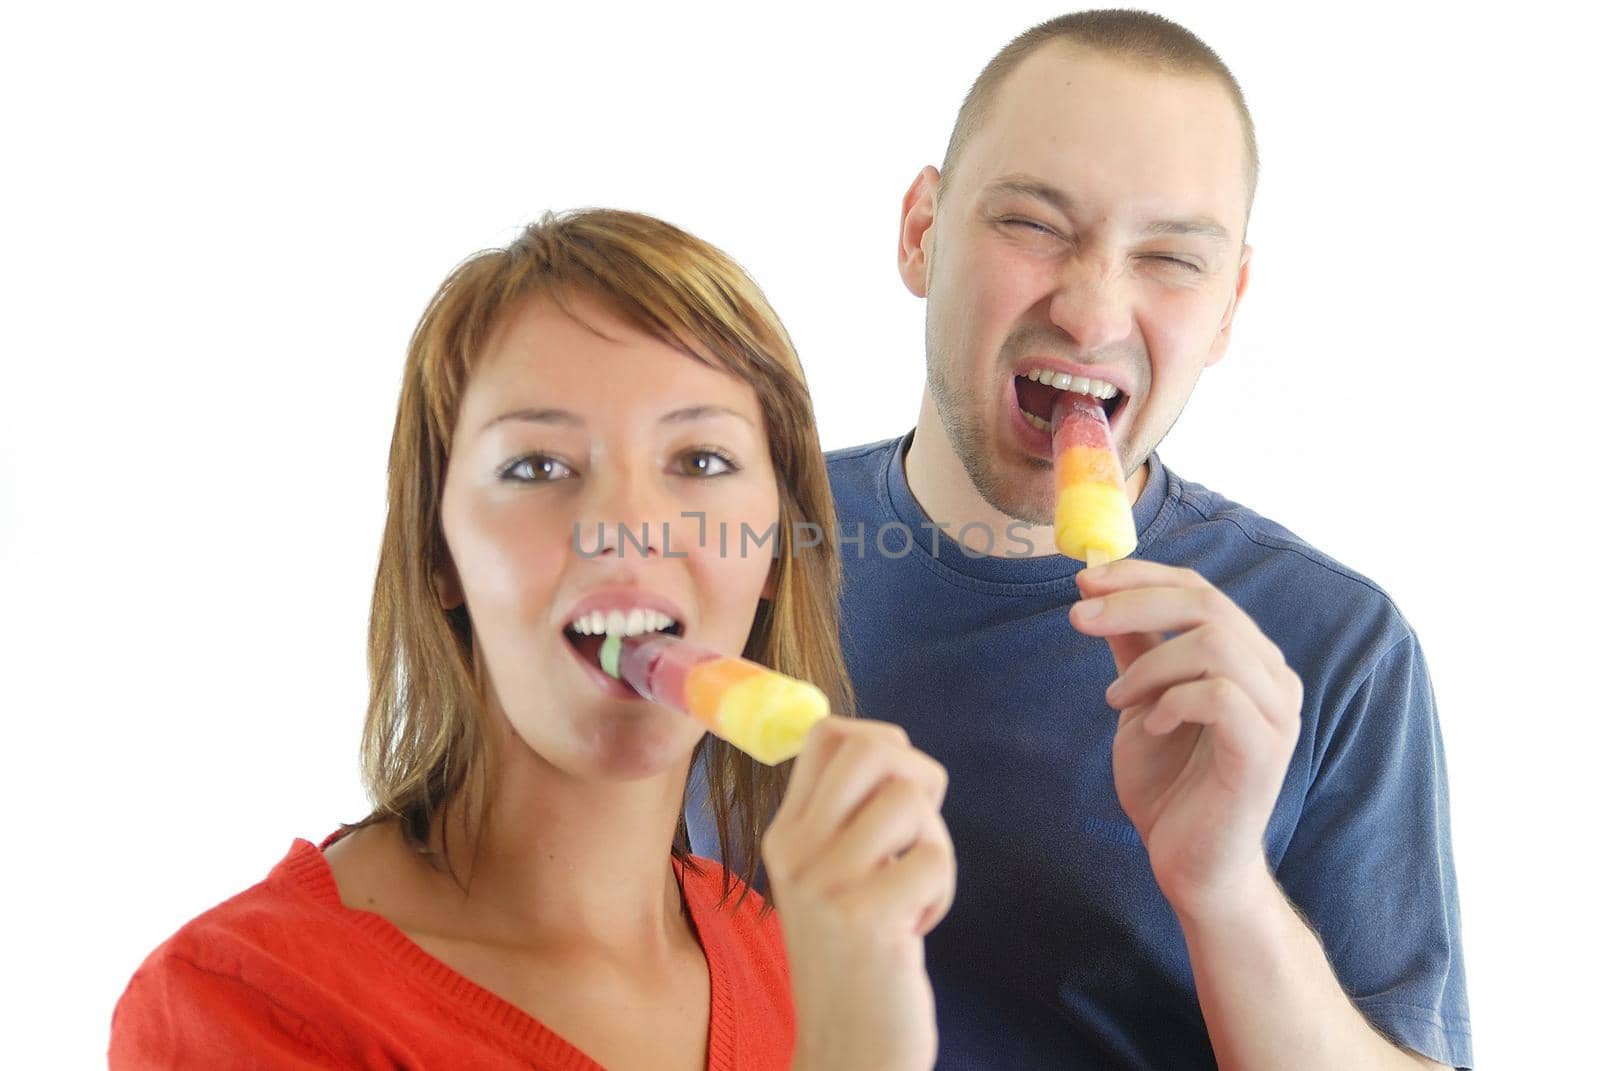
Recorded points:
(621, 623)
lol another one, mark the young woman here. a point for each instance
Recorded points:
(604, 418)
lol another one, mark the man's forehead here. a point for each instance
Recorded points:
(1089, 77)
(1090, 124)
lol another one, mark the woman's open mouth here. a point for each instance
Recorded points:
(588, 631)
(586, 638)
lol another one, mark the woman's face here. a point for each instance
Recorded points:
(596, 469)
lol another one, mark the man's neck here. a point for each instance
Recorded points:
(942, 487)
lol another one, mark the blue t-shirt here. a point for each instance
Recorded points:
(1060, 950)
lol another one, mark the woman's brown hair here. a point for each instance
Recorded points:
(425, 747)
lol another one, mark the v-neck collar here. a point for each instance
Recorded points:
(522, 1032)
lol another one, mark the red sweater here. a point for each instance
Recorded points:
(283, 975)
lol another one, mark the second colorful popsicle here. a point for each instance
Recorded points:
(1094, 521)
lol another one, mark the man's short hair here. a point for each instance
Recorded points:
(1137, 37)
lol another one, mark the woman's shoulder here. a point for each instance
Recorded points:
(295, 893)
(238, 969)
(286, 918)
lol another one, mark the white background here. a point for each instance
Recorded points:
(220, 226)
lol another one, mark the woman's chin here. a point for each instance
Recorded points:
(637, 745)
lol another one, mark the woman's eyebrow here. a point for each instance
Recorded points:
(700, 412)
(571, 419)
(538, 416)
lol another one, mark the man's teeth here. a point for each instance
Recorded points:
(1035, 421)
(621, 623)
(1097, 388)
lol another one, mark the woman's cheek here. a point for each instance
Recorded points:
(732, 566)
(509, 555)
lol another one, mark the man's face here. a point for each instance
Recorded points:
(1093, 227)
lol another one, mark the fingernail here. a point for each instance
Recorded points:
(1089, 608)
(1115, 691)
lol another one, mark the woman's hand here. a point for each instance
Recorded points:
(861, 868)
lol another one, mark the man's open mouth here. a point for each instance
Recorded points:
(1038, 387)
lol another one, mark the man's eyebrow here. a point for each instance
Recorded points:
(539, 416)
(1029, 187)
(1199, 226)
(699, 412)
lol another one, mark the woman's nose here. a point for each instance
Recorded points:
(625, 516)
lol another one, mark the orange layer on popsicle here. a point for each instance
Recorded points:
(1094, 521)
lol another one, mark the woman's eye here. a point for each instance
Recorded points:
(536, 468)
(706, 463)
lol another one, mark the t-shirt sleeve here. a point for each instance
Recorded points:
(1370, 863)
(176, 1014)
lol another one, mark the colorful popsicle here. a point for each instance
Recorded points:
(759, 711)
(1094, 522)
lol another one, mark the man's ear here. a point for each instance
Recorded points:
(916, 230)
(1219, 345)
(447, 586)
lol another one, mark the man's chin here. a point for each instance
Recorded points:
(1027, 511)
(1025, 493)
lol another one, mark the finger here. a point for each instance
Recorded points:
(944, 853)
(868, 754)
(914, 892)
(1243, 739)
(1205, 651)
(1128, 649)
(1128, 573)
(889, 824)
(1167, 610)
(818, 749)
(859, 764)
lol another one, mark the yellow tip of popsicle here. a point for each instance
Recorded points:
(768, 715)
(1094, 517)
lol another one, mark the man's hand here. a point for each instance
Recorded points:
(1210, 713)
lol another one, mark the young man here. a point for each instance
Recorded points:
(1198, 795)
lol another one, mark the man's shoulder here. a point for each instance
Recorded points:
(863, 458)
(855, 473)
(1271, 569)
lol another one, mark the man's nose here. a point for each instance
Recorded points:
(1092, 304)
